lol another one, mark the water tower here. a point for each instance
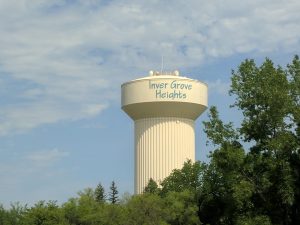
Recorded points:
(164, 107)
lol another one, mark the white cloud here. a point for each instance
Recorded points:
(218, 86)
(46, 158)
(20, 118)
(75, 54)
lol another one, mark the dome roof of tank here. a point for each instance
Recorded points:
(163, 76)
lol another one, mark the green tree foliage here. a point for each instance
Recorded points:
(113, 194)
(114, 214)
(260, 185)
(188, 178)
(181, 208)
(269, 100)
(217, 132)
(100, 193)
(152, 187)
(71, 211)
(147, 209)
(45, 213)
(262, 93)
(253, 220)
(13, 216)
(2, 215)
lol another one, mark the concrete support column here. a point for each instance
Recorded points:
(161, 145)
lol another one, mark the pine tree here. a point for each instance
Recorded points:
(113, 194)
(100, 193)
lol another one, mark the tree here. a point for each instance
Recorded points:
(71, 211)
(113, 214)
(113, 194)
(269, 99)
(152, 187)
(146, 209)
(85, 207)
(100, 193)
(263, 95)
(187, 178)
(224, 191)
(181, 208)
(259, 185)
(217, 132)
(43, 213)
(3, 215)
(294, 77)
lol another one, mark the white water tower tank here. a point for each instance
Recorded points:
(164, 107)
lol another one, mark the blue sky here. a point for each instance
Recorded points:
(62, 63)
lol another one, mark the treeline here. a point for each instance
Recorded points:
(253, 177)
(95, 206)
